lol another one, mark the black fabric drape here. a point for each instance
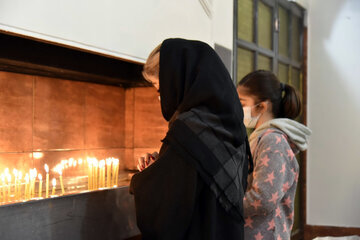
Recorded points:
(193, 75)
(195, 84)
(206, 158)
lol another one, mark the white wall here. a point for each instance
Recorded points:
(120, 28)
(223, 22)
(333, 181)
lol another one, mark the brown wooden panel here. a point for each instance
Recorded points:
(129, 117)
(130, 162)
(59, 114)
(16, 93)
(150, 126)
(104, 116)
(312, 232)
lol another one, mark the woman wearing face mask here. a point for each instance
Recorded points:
(194, 188)
(269, 107)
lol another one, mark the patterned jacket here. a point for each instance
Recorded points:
(269, 199)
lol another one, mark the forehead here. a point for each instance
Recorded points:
(244, 95)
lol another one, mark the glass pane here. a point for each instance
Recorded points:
(295, 38)
(295, 79)
(283, 73)
(246, 20)
(265, 26)
(283, 32)
(245, 63)
(264, 63)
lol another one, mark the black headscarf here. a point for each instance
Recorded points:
(193, 75)
(196, 87)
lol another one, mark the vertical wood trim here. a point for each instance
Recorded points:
(303, 173)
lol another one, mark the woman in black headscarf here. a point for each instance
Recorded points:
(195, 188)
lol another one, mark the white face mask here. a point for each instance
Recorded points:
(249, 121)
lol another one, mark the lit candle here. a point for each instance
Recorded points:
(6, 173)
(33, 180)
(61, 182)
(3, 187)
(47, 180)
(89, 173)
(19, 187)
(15, 172)
(9, 186)
(40, 185)
(35, 175)
(63, 163)
(102, 169)
(96, 173)
(71, 162)
(108, 168)
(26, 186)
(116, 163)
(54, 186)
(100, 175)
(30, 184)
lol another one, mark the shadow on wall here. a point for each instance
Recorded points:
(334, 113)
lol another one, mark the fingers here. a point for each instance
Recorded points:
(141, 164)
(147, 160)
(155, 155)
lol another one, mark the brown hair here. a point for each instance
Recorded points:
(152, 65)
(265, 86)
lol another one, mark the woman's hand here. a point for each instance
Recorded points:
(147, 160)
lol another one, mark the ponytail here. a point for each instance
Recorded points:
(290, 106)
(265, 86)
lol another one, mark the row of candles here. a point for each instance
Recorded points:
(103, 173)
(18, 187)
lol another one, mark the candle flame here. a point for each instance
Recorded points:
(108, 161)
(71, 162)
(95, 162)
(37, 155)
(54, 182)
(40, 176)
(27, 178)
(9, 178)
(102, 163)
(58, 168)
(46, 168)
(33, 173)
(80, 161)
(20, 175)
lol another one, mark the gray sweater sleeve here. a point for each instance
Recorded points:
(272, 176)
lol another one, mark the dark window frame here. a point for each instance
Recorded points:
(273, 54)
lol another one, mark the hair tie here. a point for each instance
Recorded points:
(282, 87)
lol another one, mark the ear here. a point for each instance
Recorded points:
(264, 107)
